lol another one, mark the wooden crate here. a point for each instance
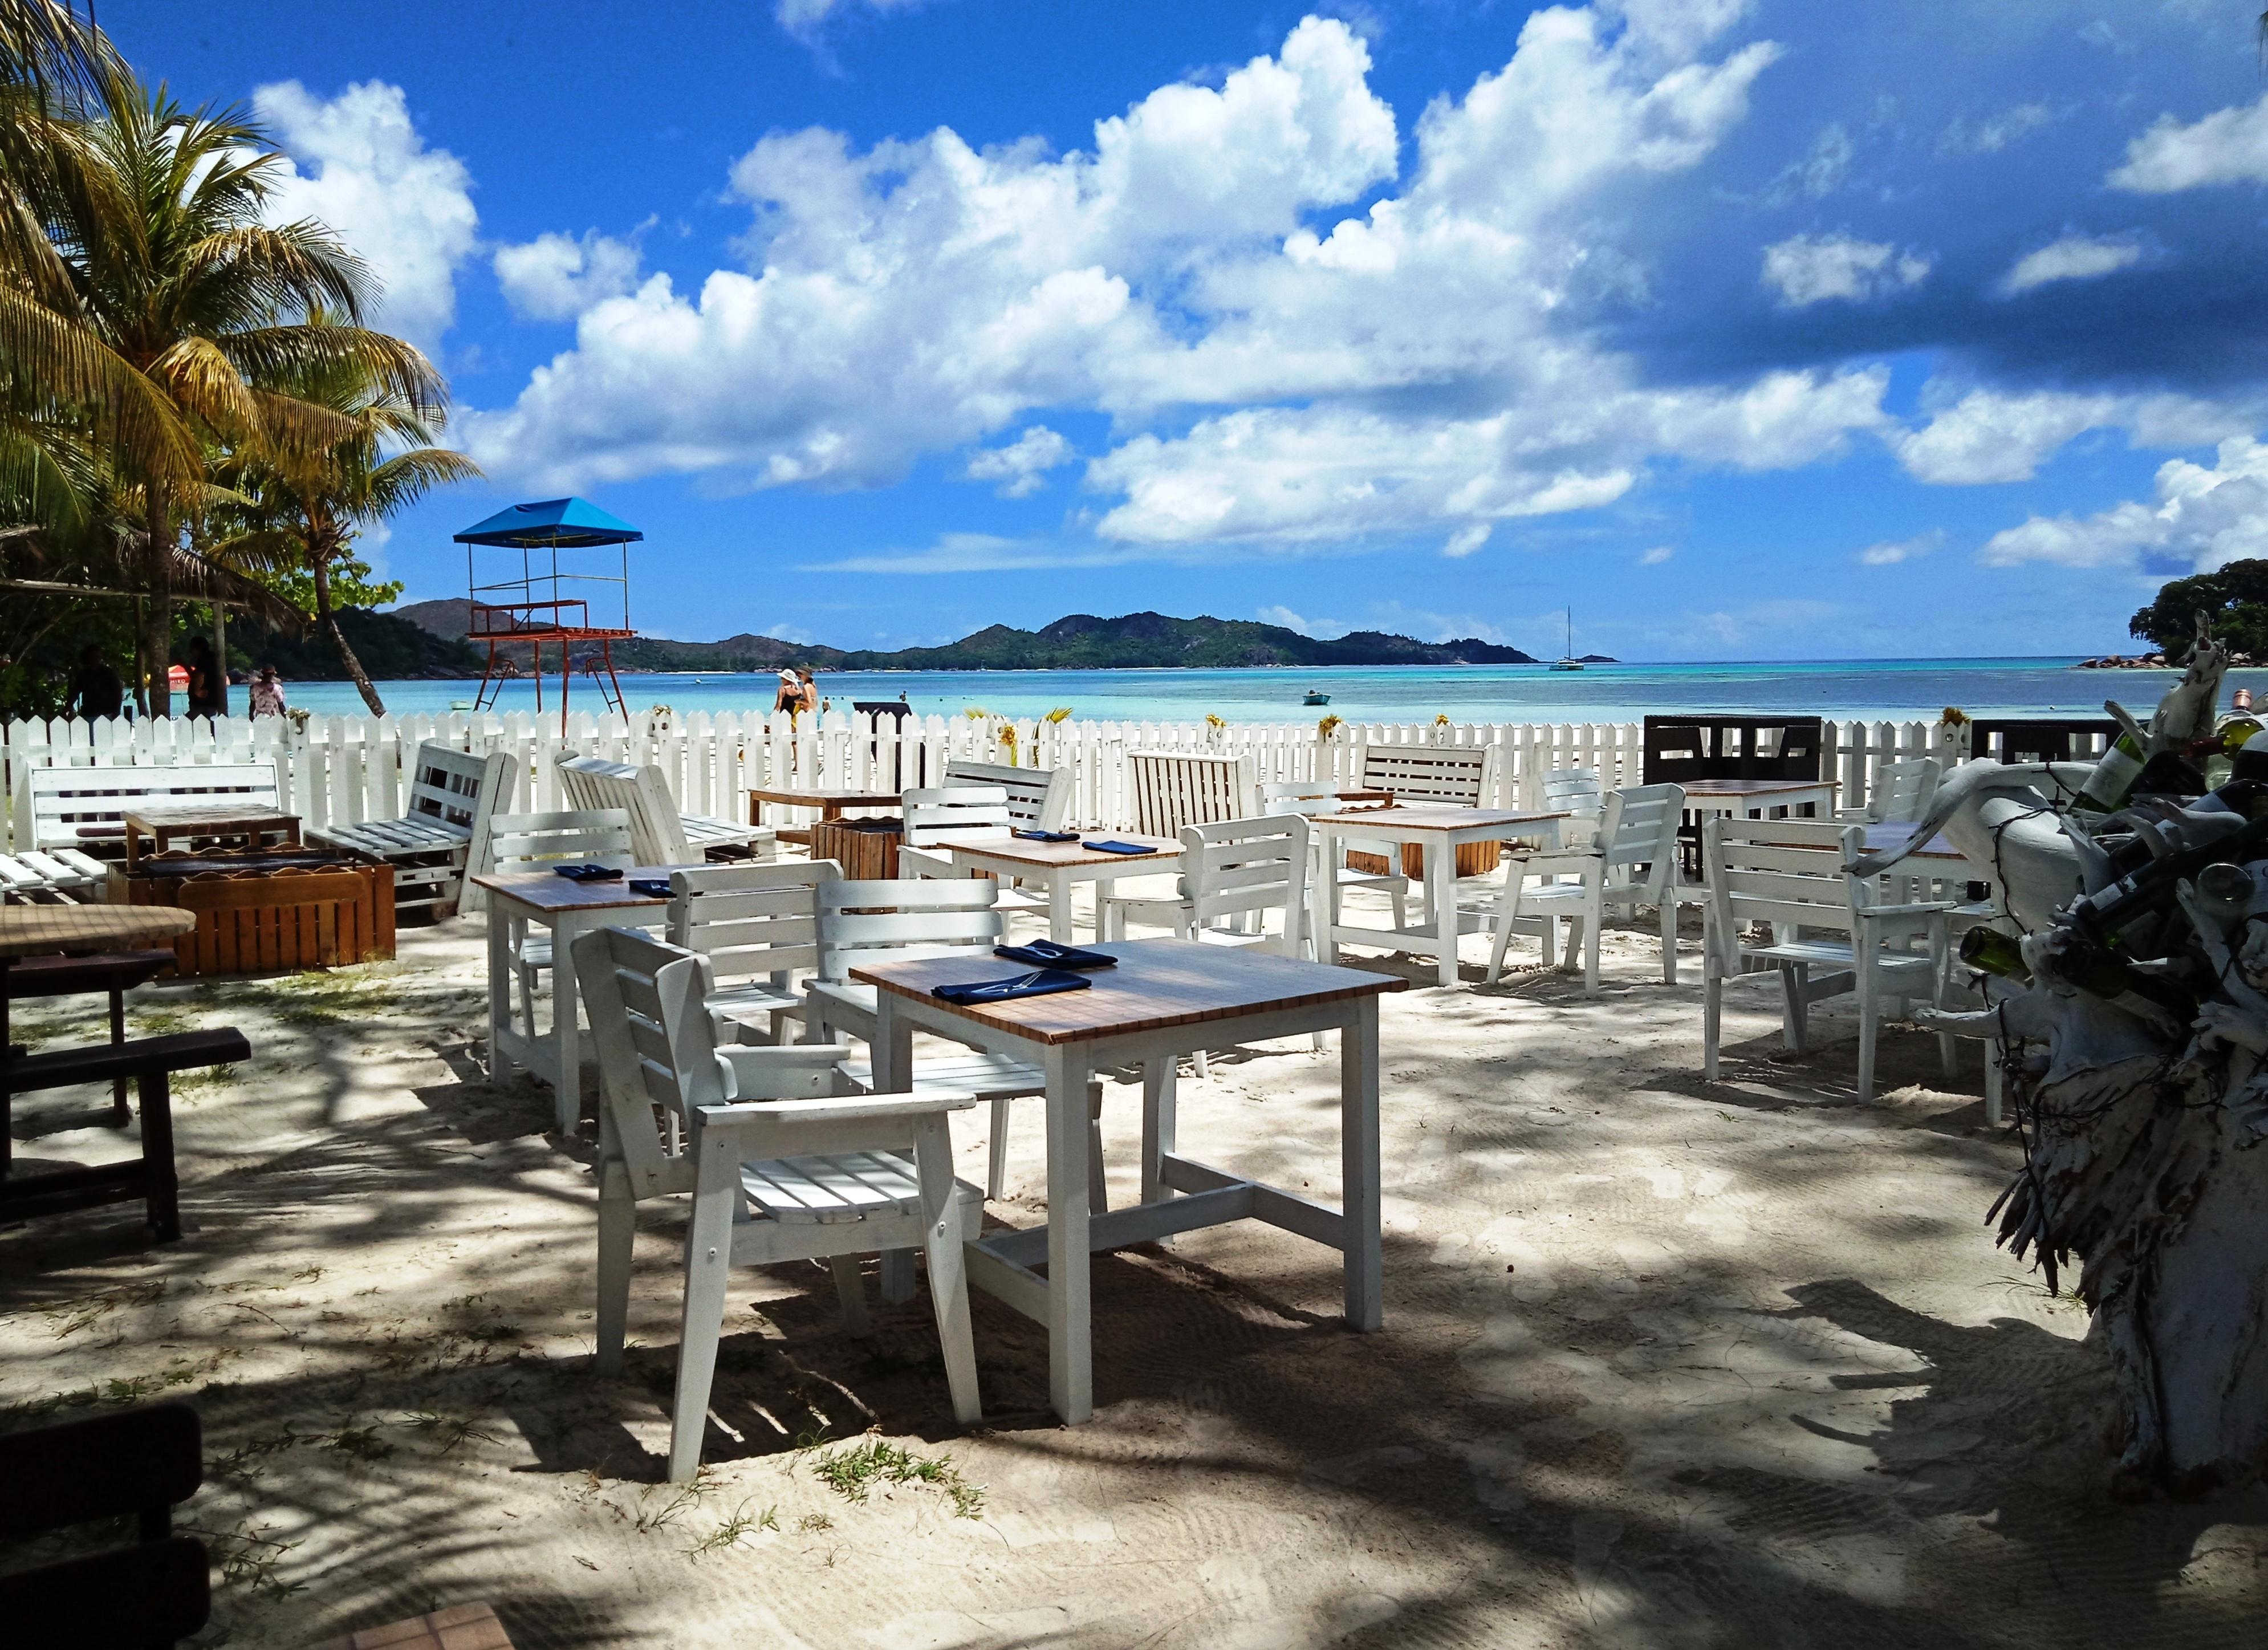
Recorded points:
(866, 849)
(322, 916)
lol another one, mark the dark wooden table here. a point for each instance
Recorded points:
(1164, 999)
(162, 821)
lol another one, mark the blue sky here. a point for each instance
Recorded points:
(1748, 330)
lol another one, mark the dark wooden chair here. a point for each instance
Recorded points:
(151, 1062)
(2036, 738)
(1683, 750)
(141, 1462)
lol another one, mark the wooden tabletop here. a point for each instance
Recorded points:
(213, 816)
(1437, 819)
(792, 797)
(1158, 983)
(1751, 787)
(28, 931)
(1896, 834)
(1042, 856)
(548, 891)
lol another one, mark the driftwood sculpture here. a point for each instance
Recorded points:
(2133, 1034)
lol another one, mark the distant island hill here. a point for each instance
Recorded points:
(1135, 641)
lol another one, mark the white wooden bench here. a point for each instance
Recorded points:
(451, 795)
(661, 835)
(74, 807)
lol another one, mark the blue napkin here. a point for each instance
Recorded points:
(1040, 982)
(1122, 848)
(589, 874)
(657, 887)
(1046, 837)
(1045, 954)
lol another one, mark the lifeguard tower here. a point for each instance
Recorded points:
(530, 610)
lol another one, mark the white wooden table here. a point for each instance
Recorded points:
(1059, 867)
(1438, 830)
(1166, 997)
(543, 899)
(1757, 799)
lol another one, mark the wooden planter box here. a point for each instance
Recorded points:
(271, 918)
(1474, 859)
(866, 849)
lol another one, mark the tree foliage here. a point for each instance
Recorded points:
(2234, 596)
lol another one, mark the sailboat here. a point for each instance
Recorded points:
(1567, 660)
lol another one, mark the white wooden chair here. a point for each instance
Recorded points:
(1235, 873)
(72, 807)
(1631, 861)
(1039, 798)
(961, 811)
(1790, 873)
(64, 877)
(899, 921)
(1309, 798)
(1171, 788)
(541, 842)
(661, 833)
(452, 794)
(779, 1168)
(1576, 792)
(758, 925)
(1901, 793)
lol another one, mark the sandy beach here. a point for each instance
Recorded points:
(1665, 1363)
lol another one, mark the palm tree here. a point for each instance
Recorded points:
(303, 514)
(186, 316)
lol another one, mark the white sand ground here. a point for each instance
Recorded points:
(1665, 1364)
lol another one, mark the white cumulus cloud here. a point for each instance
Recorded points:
(806, 19)
(1022, 466)
(1813, 268)
(2073, 258)
(1890, 552)
(2228, 146)
(554, 276)
(1288, 371)
(1657, 556)
(1988, 435)
(2202, 517)
(358, 165)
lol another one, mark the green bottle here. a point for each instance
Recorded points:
(2112, 782)
(1989, 951)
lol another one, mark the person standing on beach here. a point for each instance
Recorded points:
(790, 696)
(97, 691)
(266, 692)
(807, 693)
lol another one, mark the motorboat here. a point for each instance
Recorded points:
(1314, 697)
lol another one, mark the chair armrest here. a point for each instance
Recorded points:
(749, 1068)
(1550, 861)
(1925, 907)
(848, 1108)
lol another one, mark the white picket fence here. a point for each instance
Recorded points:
(343, 769)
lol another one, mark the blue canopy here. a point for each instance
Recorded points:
(551, 523)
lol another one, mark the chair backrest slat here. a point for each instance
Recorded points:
(901, 920)
(956, 812)
(1456, 776)
(750, 919)
(533, 841)
(1172, 789)
(656, 830)
(1244, 866)
(1039, 798)
(1902, 791)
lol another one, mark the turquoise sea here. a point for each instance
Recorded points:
(1897, 689)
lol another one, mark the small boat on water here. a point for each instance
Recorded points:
(461, 704)
(1567, 660)
(1314, 697)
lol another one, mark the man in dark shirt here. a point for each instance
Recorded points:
(208, 689)
(96, 690)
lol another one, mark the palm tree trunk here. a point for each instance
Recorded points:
(330, 623)
(157, 630)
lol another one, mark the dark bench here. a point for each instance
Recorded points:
(140, 1461)
(2036, 738)
(113, 973)
(151, 1062)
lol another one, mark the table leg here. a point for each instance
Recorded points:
(567, 1093)
(499, 988)
(892, 1054)
(1160, 1079)
(1071, 1331)
(1327, 942)
(1441, 902)
(1059, 888)
(1358, 1167)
